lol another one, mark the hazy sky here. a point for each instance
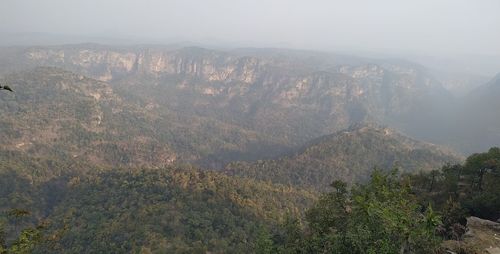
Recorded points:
(453, 26)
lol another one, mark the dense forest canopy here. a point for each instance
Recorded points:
(349, 155)
(266, 127)
(184, 210)
(395, 213)
(178, 209)
(153, 149)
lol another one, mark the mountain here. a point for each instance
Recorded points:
(460, 84)
(98, 144)
(255, 103)
(471, 124)
(480, 116)
(58, 113)
(486, 95)
(55, 112)
(348, 155)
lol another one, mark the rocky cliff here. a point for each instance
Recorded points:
(285, 98)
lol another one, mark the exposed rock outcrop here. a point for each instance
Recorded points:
(482, 237)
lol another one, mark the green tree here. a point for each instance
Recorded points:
(3, 245)
(26, 241)
(17, 215)
(264, 243)
(329, 214)
(386, 218)
(381, 216)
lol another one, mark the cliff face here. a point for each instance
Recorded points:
(108, 64)
(257, 84)
(240, 100)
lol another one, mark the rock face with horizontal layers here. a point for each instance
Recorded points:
(247, 98)
(330, 92)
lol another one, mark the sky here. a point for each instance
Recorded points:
(428, 26)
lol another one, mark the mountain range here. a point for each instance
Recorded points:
(212, 107)
(190, 150)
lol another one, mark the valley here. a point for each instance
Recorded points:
(245, 104)
(153, 149)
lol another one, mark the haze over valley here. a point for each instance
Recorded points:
(237, 127)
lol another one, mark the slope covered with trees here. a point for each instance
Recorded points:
(393, 213)
(48, 207)
(92, 149)
(348, 155)
(176, 209)
(381, 216)
(216, 106)
(472, 185)
(58, 113)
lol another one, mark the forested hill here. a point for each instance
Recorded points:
(348, 155)
(98, 145)
(61, 114)
(212, 107)
(183, 210)
(174, 209)
(390, 213)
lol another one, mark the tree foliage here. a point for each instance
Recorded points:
(381, 216)
(348, 156)
(468, 189)
(181, 209)
(176, 209)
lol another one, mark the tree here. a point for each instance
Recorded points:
(264, 243)
(330, 212)
(434, 174)
(381, 216)
(386, 218)
(17, 215)
(3, 245)
(25, 241)
(483, 171)
(454, 220)
(482, 163)
(472, 188)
